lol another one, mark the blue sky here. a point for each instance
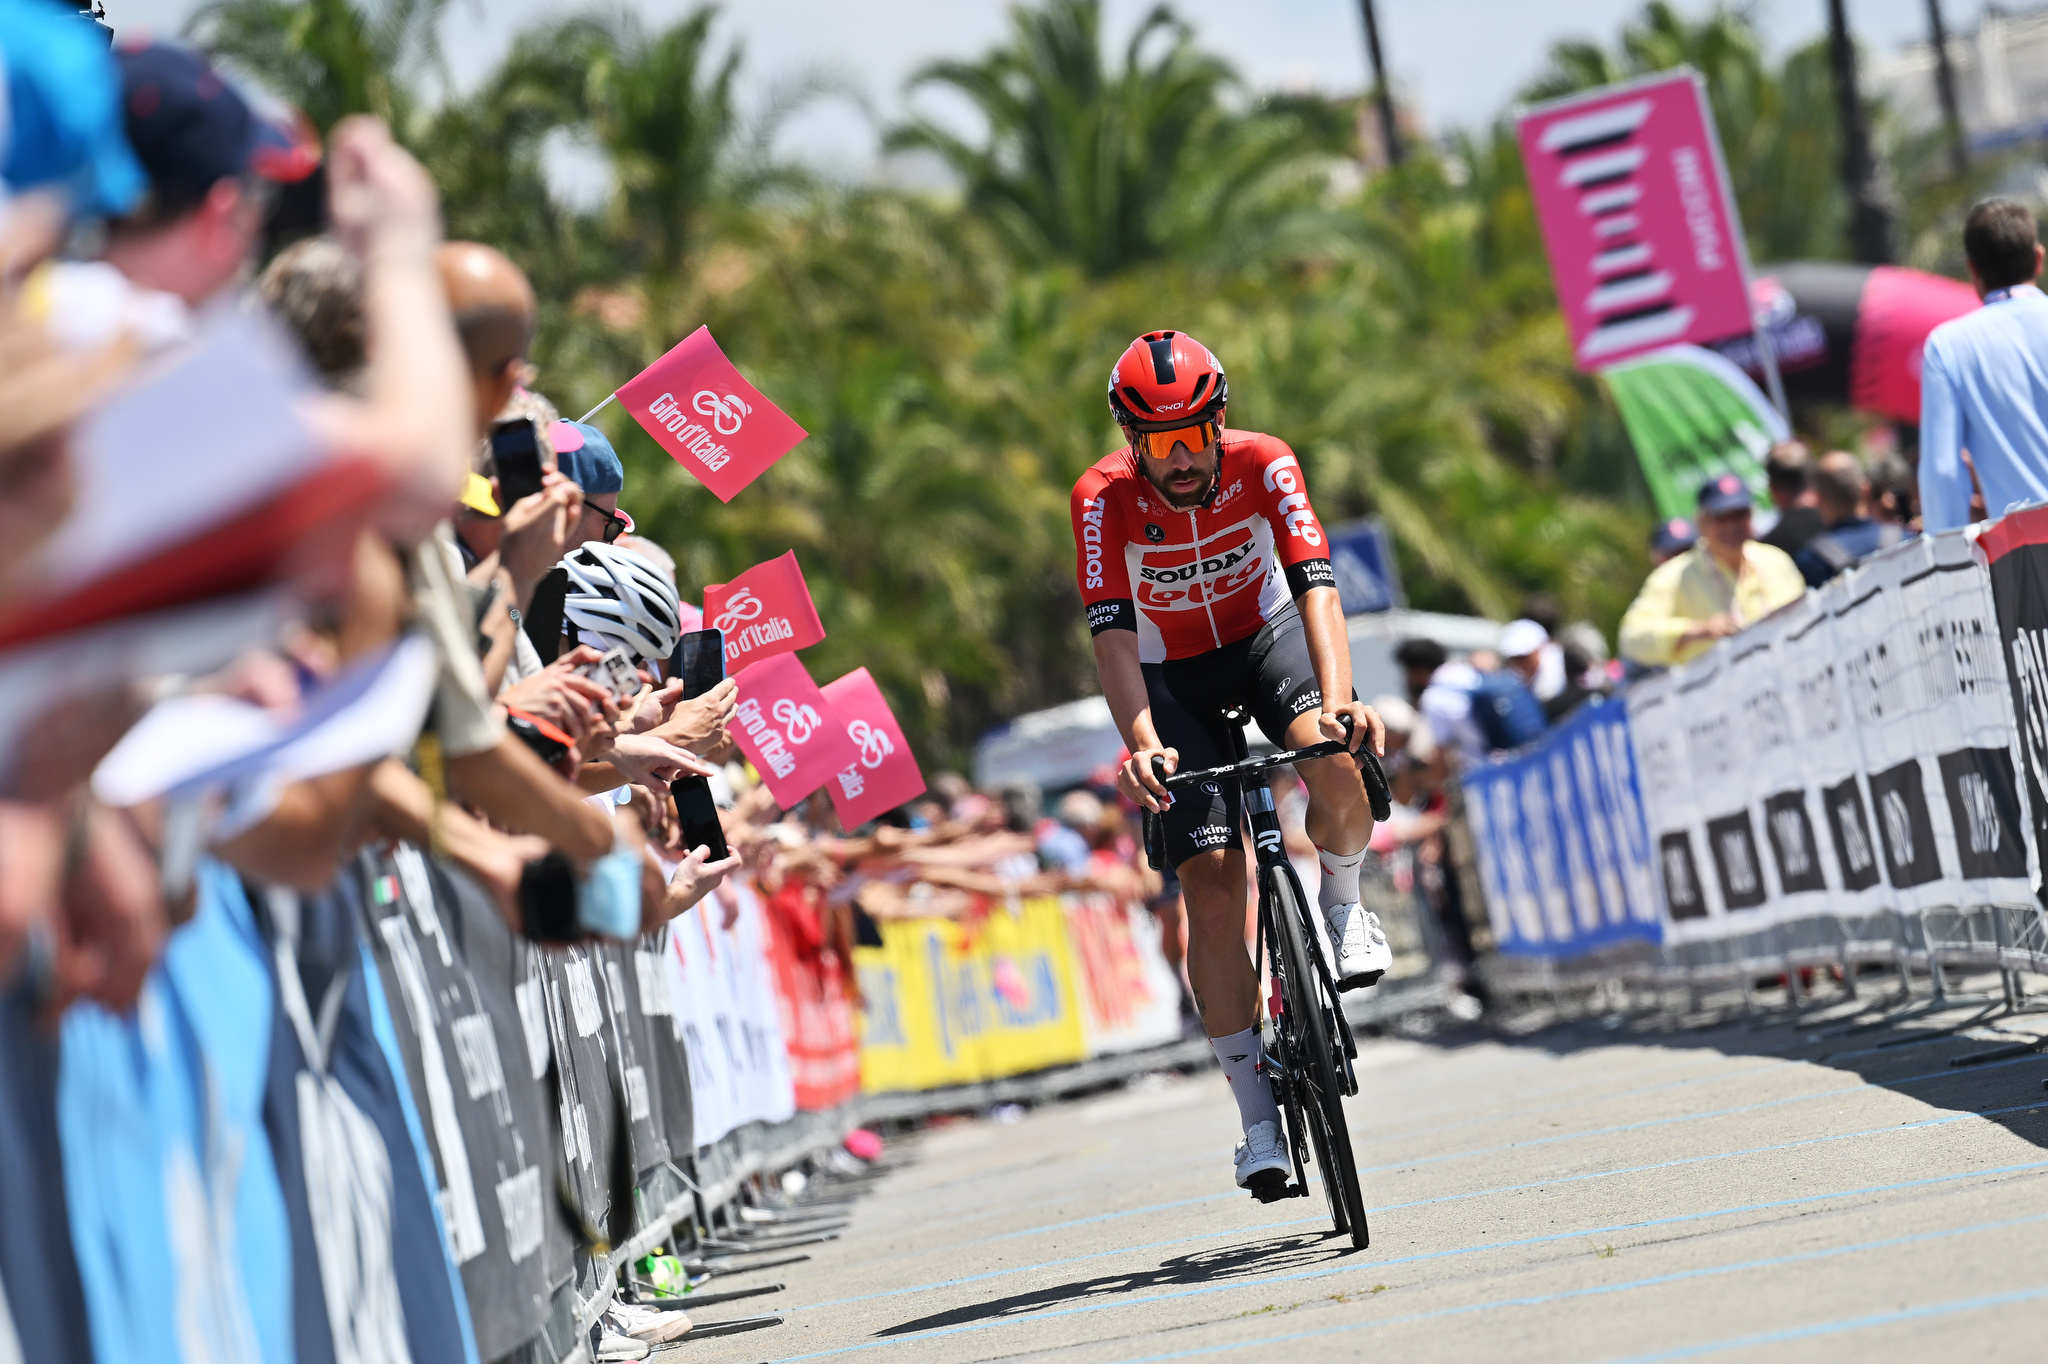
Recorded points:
(1462, 59)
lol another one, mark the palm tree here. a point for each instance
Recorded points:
(1112, 166)
(331, 58)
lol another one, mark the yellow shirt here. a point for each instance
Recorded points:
(1693, 587)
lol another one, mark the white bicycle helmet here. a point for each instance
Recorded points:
(622, 598)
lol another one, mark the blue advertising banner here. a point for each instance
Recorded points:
(1362, 557)
(1563, 846)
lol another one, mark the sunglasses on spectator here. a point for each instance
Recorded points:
(1159, 444)
(615, 523)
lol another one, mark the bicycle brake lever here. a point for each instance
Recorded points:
(1377, 793)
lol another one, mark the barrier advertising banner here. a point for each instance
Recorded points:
(951, 1003)
(1644, 241)
(1564, 849)
(1853, 753)
(1130, 996)
(722, 995)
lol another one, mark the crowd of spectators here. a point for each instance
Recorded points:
(140, 195)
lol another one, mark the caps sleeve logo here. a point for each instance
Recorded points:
(741, 607)
(798, 722)
(721, 408)
(873, 743)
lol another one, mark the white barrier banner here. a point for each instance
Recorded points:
(725, 1010)
(1855, 752)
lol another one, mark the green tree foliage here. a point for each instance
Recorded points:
(948, 353)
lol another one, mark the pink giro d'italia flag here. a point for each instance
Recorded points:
(1645, 244)
(783, 724)
(710, 420)
(883, 774)
(767, 610)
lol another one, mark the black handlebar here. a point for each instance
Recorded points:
(1377, 793)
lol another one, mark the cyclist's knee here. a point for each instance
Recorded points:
(1210, 873)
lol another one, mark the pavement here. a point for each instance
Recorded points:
(1602, 1189)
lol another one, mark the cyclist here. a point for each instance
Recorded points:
(1207, 582)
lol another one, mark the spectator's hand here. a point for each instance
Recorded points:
(563, 696)
(31, 877)
(1364, 721)
(379, 197)
(498, 860)
(696, 878)
(1713, 627)
(114, 906)
(1135, 780)
(699, 724)
(538, 529)
(653, 762)
(652, 707)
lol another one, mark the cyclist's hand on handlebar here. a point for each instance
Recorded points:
(1364, 720)
(1140, 784)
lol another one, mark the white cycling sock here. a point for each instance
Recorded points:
(1340, 877)
(1240, 1054)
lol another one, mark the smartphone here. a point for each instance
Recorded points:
(698, 814)
(700, 661)
(515, 452)
(616, 674)
(547, 900)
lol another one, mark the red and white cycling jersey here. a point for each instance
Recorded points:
(1192, 581)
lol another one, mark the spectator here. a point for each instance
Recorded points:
(1473, 712)
(1549, 678)
(1524, 647)
(1671, 539)
(1984, 378)
(1579, 665)
(1894, 492)
(1788, 472)
(1717, 587)
(1851, 536)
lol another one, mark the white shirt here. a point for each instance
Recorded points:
(1447, 705)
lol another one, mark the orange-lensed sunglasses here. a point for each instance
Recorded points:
(1159, 444)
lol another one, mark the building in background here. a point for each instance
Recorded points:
(2001, 72)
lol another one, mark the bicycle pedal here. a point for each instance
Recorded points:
(1274, 1192)
(1359, 982)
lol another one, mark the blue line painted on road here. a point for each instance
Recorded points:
(1829, 1328)
(1377, 1265)
(1567, 1295)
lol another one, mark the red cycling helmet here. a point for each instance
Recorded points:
(1166, 380)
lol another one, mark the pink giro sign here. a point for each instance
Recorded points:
(1644, 240)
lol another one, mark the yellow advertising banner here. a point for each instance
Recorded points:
(950, 1004)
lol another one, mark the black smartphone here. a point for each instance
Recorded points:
(515, 452)
(698, 814)
(547, 900)
(699, 660)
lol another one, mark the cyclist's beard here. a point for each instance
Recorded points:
(1185, 500)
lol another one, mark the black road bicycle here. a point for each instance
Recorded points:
(1312, 1047)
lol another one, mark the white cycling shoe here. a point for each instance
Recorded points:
(1261, 1159)
(1362, 952)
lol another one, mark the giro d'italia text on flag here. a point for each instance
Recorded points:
(766, 610)
(782, 723)
(883, 773)
(709, 419)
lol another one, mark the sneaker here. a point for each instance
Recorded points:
(611, 1346)
(650, 1324)
(1362, 952)
(1261, 1160)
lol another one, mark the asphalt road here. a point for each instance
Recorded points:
(1587, 1191)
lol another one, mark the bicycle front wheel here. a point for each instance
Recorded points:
(1316, 1054)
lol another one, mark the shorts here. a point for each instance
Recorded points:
(1269, 675)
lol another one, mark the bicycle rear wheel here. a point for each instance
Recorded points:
(1319, 1072)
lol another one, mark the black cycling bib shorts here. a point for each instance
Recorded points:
(1268, 673)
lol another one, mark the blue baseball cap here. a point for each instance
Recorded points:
(1725, 493)
(191, 129)
(1673, 536)
(584, 456)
